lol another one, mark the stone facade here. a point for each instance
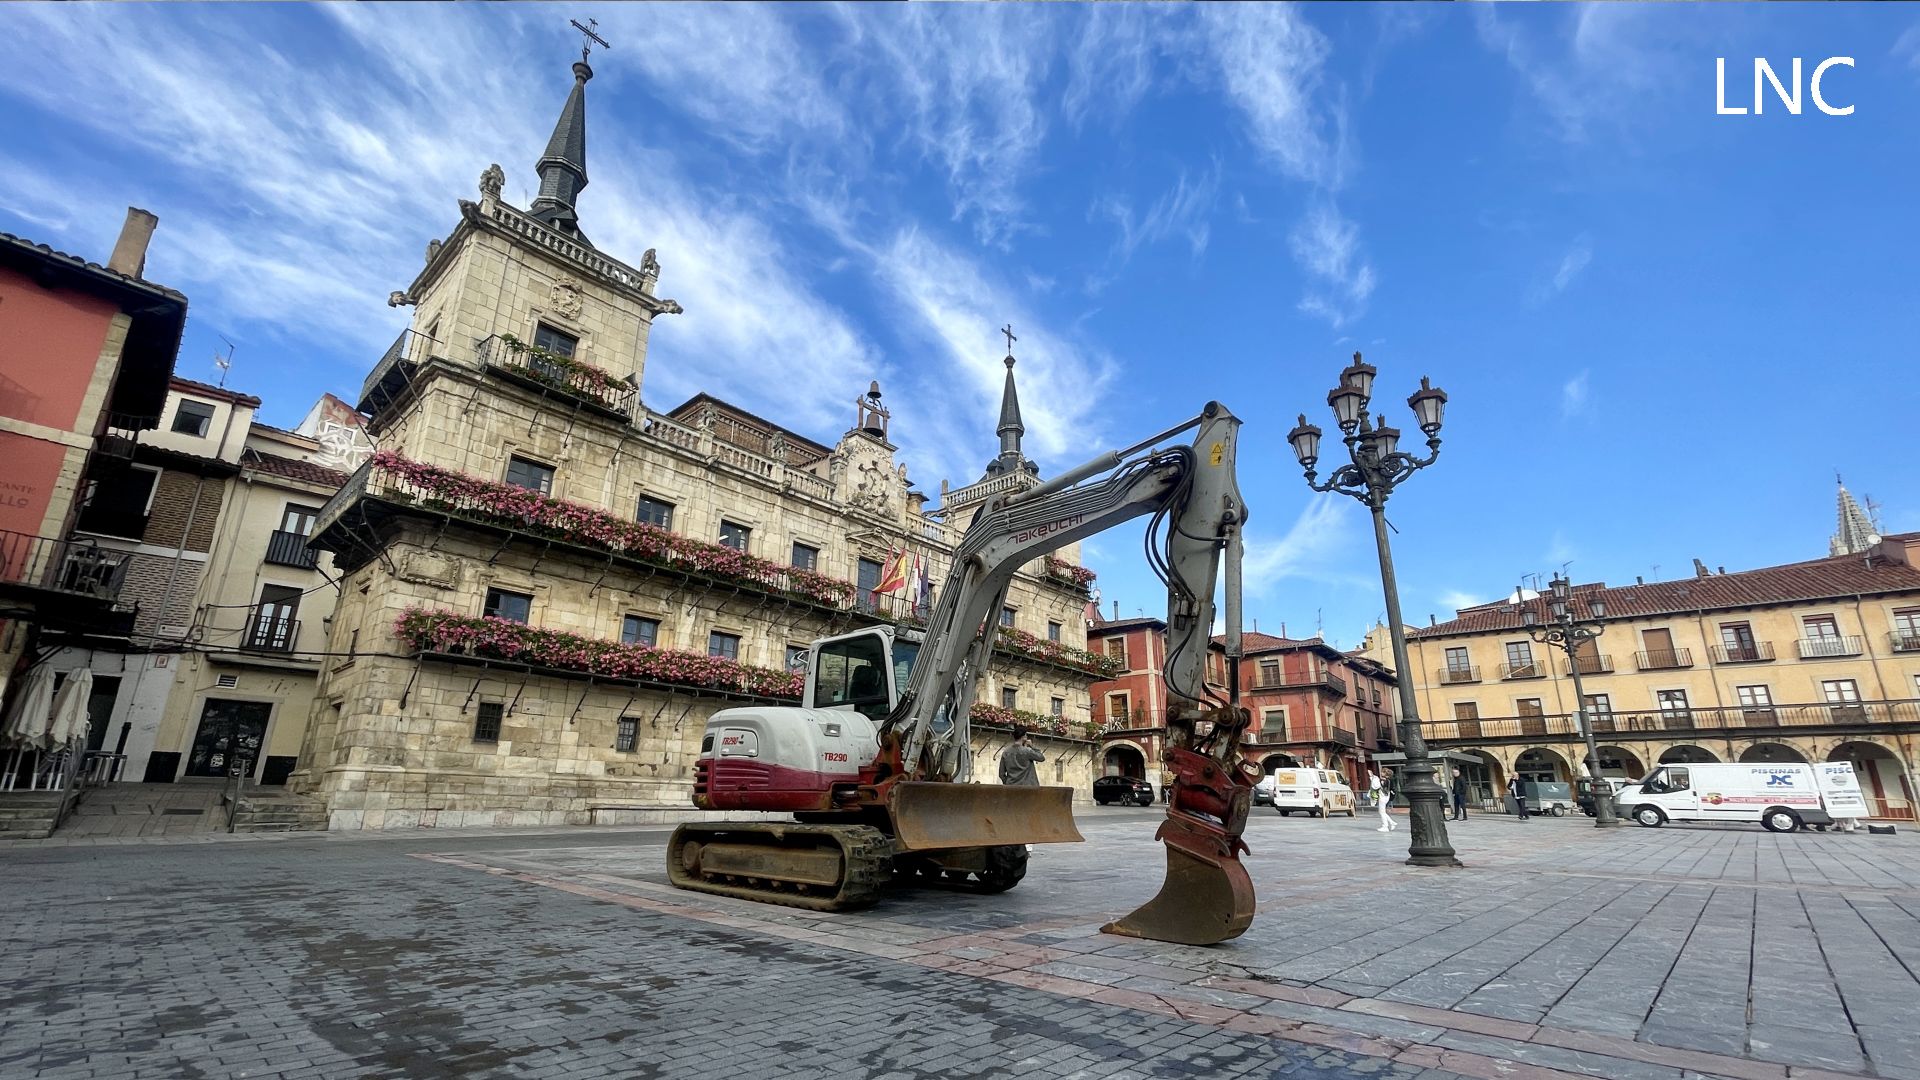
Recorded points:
(404, 735)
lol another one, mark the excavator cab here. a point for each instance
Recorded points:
(865, 669)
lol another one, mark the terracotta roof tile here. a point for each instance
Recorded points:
(1813, 580)
(293, 468)
(210, 390)
(78, 263)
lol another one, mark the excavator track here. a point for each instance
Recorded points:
(818, 867)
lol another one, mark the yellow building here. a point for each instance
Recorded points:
(1811, 661)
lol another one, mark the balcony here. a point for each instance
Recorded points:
(1523, 671)
(269, 632)
(290, 549)
(551, 373)
(393, 375)
(1821, 648)
(1591, 665)
(1664, 659)
(1904, 640)
(1282, 680)
(63, 584)
(1453, 676)
(1753, 652)
(1901, 715)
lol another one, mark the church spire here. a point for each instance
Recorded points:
(1856, 533)
(563, 168)
(1011, 428)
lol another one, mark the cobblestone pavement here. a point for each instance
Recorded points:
(1560, 951)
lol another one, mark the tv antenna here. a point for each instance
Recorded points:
(223, 362)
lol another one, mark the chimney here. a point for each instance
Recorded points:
(1116, 611)
(130, 251)
(1638, 580)
(1719, 569)
(1699, 568)
(1430, 621)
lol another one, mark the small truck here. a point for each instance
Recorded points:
(1782, 798)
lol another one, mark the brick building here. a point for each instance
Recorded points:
(549, 586)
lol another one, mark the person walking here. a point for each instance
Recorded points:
(1383, 795)
(1459, 795)
(1517, 788)
(1017, 761)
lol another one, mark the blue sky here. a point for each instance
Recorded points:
(1663, 330)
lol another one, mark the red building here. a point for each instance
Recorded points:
(1311, 703)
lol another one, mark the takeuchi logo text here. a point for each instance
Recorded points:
(1048, 529)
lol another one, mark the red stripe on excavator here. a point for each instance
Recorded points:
(746, 784)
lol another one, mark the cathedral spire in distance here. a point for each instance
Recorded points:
(1856, 533)
(563, 168)
(1011, 428)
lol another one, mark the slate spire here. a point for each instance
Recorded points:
(1856, 533)
(1011, 458)
(563, 168)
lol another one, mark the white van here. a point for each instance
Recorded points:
(1319, 792)
(1781, 797)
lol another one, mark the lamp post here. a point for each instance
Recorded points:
(1378, 466)
(1568, 634)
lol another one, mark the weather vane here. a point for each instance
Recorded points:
(1008, 330)
(587, 45)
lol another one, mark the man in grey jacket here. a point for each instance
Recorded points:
(1017, 761)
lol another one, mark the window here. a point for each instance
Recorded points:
(557, 342)
(193, 418)
(1673, 708)
(805, 557)
(1053, 631)
(1737, 639)
(627, 735)
(867, 579)
(1269, 672)
(513, 606)
(1528, 706)
(1273, 724)
(529, 474)
(1752, 696)
(1119, 708)
(796, 658)
(1821, 627)
(734, 535)
(1466, 710)
(1006, 617)
(1056, 707)
(1906, 629)
(298, 520)
(640, 630)
(652, 511)
(486, 724)
(1519, 659)
(1009, 697)
(273, 626)
(1459, 665)
(118, 500)
(1117, 649)
(1840, 691)
(1599, 704)
(723, 645)
(854, 672)
(1376, 697)
(1668, 779)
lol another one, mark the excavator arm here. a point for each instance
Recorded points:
(1198, 514)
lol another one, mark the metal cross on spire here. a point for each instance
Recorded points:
(1008, 331)
(591, 37)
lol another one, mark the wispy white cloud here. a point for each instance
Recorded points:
(1573, 262)
(1583, 76)
(1184, 211)
(1318, 546)
(1575, 396)
(1455, 599)
(1339, 277)
(1271, 63)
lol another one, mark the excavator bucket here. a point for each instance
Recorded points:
(1206, 899)
(928, 816)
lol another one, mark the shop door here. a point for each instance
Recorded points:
(228, 729)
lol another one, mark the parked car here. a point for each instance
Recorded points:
(1584, 795)
(1124, 790)
(1263, 791)
(1317, 792)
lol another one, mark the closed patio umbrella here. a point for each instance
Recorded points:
(32, 715)
(69, 723)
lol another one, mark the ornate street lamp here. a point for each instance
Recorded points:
(1378, 466)
(1564, 632)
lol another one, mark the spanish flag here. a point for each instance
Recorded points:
(899, 569)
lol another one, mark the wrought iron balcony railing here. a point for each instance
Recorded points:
(1455, 675)
(1529, 670)
(1591, 665)
(1283, 680)
(1815, 648)
(81, 567)
(1563, 726)
(574, 378)
(1750, 653)
(1904, 640)
(290, 549)
(1664, 659)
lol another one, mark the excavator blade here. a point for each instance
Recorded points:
(1206, 899)
(928, 816)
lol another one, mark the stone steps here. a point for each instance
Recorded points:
(280, 813)
(30, 816)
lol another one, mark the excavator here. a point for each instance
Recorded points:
(874, 764)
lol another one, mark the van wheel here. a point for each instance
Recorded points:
(1315, 812)
(1650, 816)
(1780, 819)
(1284, 813)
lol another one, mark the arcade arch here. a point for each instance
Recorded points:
(1687, 754)
(1540, 765)
(1125, 760)
(1772, 753)
(1884, 780)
